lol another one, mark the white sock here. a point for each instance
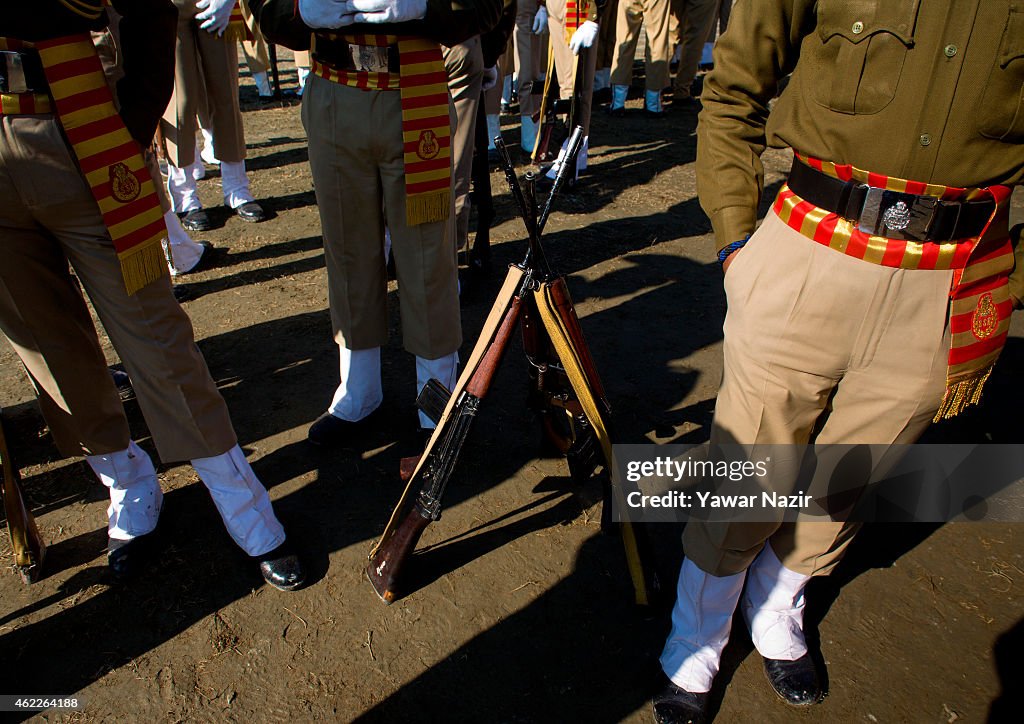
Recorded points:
(652, 101)
(527, 134)
(619, 93)
(773, 607)
(234, 183)
(197, 168)
(241, 500)
(581, 157)
(262, 83)
(181, 189)
(208, 154)
(493, 129)
(135, 495)
(182, 252)
(701, 620)
(444, 369)
(360, 391)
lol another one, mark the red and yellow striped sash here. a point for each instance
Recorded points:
(13, 104)
(426, 127)
(576, 13)
(980, 307)
(110, 159)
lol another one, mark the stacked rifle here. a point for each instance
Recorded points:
(28, 546)
(564, 388)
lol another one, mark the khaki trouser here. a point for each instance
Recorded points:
(465, 66)
(206, 66)
(257, 55)
(355, 155)
(606, 38)
(527, 48)
(809, 327)
(564, 65)
(49, 217)
(654, 15)
(690, 28)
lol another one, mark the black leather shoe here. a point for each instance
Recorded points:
(282, 569)
(330, 430)
(182, 292)
(205, 259)
(617, 112)
(252, 212)
(126, 558)
(796, 682)
(673, 705)
(196, 220)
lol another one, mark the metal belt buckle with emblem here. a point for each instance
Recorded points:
(895, 214)
(369, 58)
(12, 73)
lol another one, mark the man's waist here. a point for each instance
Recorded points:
(918, 213)
(341, 54)
(21, 71)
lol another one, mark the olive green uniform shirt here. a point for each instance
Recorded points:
(927, 90)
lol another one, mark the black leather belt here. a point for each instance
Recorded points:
(894, 215)
(342, 55)
(21, 72)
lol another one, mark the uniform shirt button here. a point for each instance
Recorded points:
(926, 139)
(949, 50)
(858, 28)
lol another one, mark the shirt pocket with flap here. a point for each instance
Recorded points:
(863, 46)
(1001, 113)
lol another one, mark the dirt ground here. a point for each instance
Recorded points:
(522, 610)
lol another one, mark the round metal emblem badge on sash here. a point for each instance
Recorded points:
(985, 319)
(428, 146)
(124, 187)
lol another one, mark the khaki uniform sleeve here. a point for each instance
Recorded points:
(759, 49)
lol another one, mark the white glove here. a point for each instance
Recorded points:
(215, 15)
(382, 11)
(323, 13)
(584, 37)
(490, 78)
(540, 20)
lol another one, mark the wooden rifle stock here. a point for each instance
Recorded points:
(28, 546)
(386, 564)
(480, 382)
